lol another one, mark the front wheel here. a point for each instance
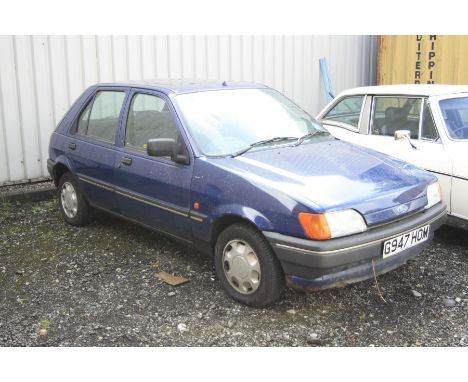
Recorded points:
(74, 207)
(247, 267)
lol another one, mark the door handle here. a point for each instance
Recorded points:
(126, 161)
(72, 146)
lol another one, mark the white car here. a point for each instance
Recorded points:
(426, 125)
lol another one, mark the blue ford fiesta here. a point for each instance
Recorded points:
(240, 172)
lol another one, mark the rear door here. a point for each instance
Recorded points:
(154, 191)
(92, 148)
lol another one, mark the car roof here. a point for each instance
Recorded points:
(409, 89)
(179, 86)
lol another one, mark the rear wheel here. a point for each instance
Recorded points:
(247, 266)
(75, 209)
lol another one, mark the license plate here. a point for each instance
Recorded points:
(405, 241)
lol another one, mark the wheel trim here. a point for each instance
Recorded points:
(69, 200)
(241, 266)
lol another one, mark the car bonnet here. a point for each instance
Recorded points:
(334, 175)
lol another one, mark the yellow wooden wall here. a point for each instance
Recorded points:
(441, 59)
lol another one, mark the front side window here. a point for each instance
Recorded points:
(223, 122)
(396, 113)
(455, 113)
(148, 118)
(100, 118)
(347, 111)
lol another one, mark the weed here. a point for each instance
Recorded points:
(45, 324)
(21, 301)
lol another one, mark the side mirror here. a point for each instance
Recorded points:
(402, 134)
(168, 147)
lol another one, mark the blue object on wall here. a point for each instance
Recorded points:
(326, 79)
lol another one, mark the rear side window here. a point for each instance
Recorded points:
(347, 111)
(148, 118)
(100, 118)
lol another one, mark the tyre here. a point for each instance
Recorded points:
(75, 209)
(247, 267)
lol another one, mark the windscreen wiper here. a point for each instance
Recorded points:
(262, 142)
(309, 135)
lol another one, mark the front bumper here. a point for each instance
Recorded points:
(324, 264)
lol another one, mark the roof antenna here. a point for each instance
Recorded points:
(224, 83)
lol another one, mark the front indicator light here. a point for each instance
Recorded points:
(332, 224)
(315, 226)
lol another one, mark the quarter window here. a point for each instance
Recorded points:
(100, 119)
(396, 113)
(347, 111)
(429, 130)
(148, 118)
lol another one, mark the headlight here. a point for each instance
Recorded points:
(433, 194)
(332, 224)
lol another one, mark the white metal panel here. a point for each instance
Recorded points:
(60, 76)
(11, 110)
(75, 67)
(41, 76)
(224, 57)
(200, 57)
(105, 59)
(120, 58)
(147, 56)
(212, 59)
(28, 108)
(90, 62)
(4, 169)
(236, 55)
(135, 64)
(162, 57)
(247, 58)
(45, 121)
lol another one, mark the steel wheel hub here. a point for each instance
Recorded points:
(241, 266)
(69, 200)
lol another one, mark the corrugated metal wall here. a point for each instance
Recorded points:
(41, 76)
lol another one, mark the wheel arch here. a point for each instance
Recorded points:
(247, 216)
(62, 165)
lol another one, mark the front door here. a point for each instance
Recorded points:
(154, 191)
(425, 149)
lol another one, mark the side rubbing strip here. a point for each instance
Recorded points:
(197, 216)
(153, 203)
(96, 183)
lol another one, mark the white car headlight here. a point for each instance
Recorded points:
(345, 222)
(433, 194)
(332, 224)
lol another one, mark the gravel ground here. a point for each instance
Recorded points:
(25, 187)
(97, 286)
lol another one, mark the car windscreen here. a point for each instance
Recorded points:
(223, 122)
(455, 113)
